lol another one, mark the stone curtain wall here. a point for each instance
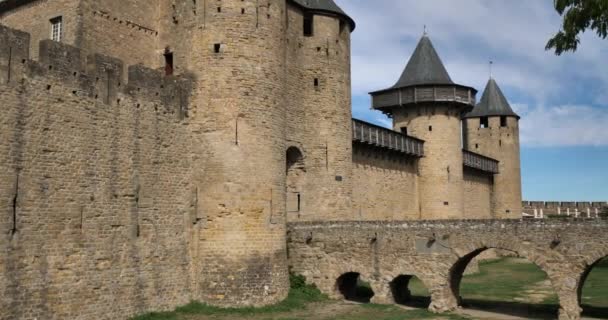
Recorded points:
(478, 187)
(438, 253)
(385, 185)
(95, 197)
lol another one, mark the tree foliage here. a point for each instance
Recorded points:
(578, 16)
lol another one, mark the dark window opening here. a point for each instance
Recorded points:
(476, 146)
(446, 203)
(316, 82)
(342, 26)
(500, 143)
(168, 63)
(484, 123)
(217, 47)
(242, 10)
(219, 9)
(503, 121)
(308, 25)
(430, 128)
(404, 130)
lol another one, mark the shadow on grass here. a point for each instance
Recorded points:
(418, 302)
(595, 312)
(517, 309)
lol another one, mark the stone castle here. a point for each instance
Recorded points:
(156, 152)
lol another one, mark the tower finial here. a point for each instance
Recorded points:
(425, 33)
(491, 63)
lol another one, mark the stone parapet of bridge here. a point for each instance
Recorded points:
(438, 252)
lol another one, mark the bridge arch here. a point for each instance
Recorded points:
(349, 286)
(528, 252)
(401, 291)
(591, 261)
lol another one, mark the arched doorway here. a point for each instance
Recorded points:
(505, 284)
(593, 290)
(352, 288)
(410, 291)
(295, 182)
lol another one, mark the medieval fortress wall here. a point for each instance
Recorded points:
(155, 153)
(95, 192)
(127, 187)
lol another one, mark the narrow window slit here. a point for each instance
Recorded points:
(10, 60)
(15, 205)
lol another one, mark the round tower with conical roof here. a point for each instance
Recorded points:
(492, 129)
(427, 104)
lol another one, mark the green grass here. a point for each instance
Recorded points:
(299, 296)
(595, 290)
(502, 280)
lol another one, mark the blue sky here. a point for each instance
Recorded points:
(563, 100)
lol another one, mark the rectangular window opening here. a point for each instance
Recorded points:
(56, 28)
(308, 25)
(316, 82)
(503, 121)
(168, 63)
(484, 123)
(217, 47)
(430, 128)
(404, 130)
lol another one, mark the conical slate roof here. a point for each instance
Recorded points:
(424, 68)
(492, 103)
(328, 6)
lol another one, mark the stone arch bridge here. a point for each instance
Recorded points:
(437, 252)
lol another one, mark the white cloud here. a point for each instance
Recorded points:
(468, 33)
(566, 125)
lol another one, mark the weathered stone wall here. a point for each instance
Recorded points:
(385, 185)
(128, 30)
(238, 129)
(478, 186)
(502, 144)
(438, 252)
(95, 188)
(319, 113)
(441, 170)
(35, 17)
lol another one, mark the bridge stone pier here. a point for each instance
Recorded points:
(437, 252)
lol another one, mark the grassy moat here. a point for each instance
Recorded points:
(506, 288)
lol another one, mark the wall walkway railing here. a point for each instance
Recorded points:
(368, 133)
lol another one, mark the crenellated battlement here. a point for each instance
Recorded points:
(95, 76)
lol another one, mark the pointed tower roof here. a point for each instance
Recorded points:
(425, 67)
(326, 6)
(424, 80)
(492, 103)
